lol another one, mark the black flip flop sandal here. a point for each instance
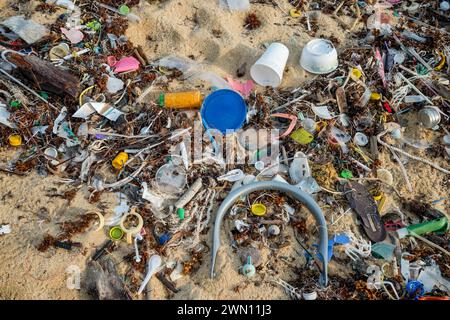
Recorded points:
(366, 208)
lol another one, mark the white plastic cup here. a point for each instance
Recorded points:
(269, 69)
(319, 56)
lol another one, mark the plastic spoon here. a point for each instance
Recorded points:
(153, 265)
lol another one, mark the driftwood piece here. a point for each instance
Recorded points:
(341, 100)
(102, 281)
(45, 75)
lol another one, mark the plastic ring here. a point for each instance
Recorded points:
(133, 230)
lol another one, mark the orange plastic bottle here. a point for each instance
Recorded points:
(181, 100)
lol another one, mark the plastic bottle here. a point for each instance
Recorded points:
(181, 100)
(438, 225)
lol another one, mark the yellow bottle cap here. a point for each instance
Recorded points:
(116, 233)
(258, 209)
(120, 160)
(15, 140)
(302, 136)
(355, 74)
(375, 96)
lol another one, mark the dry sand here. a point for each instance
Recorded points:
(170, 28)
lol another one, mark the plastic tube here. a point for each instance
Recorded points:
(299, 195)
(437, 225)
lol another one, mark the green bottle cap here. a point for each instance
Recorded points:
(161, 100)
(123, 9)
(180, 212)
(346, 174)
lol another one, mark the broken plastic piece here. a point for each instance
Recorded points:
(74, 35)
(124, 65)
(299, 168)
(6, 228)
(232, 176)
(105, 109)
(28, 30)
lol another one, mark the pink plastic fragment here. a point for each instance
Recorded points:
(74, 35)
(124, 64)
(242, 87)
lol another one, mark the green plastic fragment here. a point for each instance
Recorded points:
(44, 95)
(15, 104)
(422, 70)
(180, 213)
(346, 174)
(94, 25)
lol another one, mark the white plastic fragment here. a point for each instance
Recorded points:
(177, 273)
(152, 197)
(105, 109)
(85, 166)
(4, 229)
(114, 84)
(4, 116)
(232, 176)
(322, 112)
(240, 225)
(299, 168)
(68, 4)
(62, 115)
(28, 30)
(236, 5)
(431, 277)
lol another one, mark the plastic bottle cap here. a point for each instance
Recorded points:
(120, 160)
(356, 74)
(15, 140)
(15, 104)
(259, 209)
(161, 100)
(259, 165)
(375, 96)
(124, 9)
(163, 239)
(116, 233)
(180, 212)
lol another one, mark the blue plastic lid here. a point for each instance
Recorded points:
(224, 110)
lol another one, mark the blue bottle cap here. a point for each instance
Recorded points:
(224, 110)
